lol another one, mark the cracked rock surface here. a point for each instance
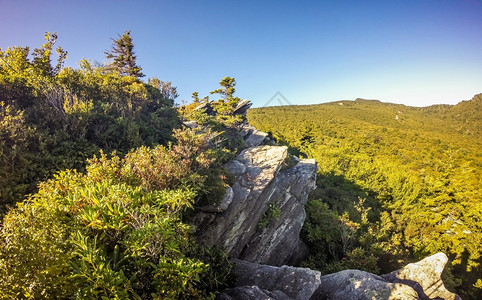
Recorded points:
(261, 187)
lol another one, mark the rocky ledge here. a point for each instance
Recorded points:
(421, 280)
(265, 214)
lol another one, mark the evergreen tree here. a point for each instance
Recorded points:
(124, 59)
(195, 97)
(42, 56)
(228, 102)
(227, 90)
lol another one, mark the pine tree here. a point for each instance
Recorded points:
(124, 59)
(228, 102)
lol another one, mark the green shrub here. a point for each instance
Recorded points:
(271, 214)
(115, 232)
(54, 118)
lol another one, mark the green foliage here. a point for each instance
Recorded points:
(228, 102)
(42, 56)
(271, 214)
(417, 169)
(34, 255)
(115, 232)
(224, 107)
(342, 240)
(54, 118)
(216, 182)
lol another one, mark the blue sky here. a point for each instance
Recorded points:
(412, 52)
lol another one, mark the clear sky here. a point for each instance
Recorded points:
(412, 52)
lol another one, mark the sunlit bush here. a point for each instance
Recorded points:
(115, 232)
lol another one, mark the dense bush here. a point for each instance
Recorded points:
(115, 232)
(54, 118)
(116, 227)
(221, 111)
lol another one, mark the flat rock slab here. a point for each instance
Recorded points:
(295, 283)
(355, 284)
(256, 138)
(251, 293)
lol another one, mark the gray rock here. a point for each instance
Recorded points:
(233, 228)
(279, 242)
(251, 293)
(295, 283)
(424, 277)
(236, 168)
(207, 108)
(256, 138)
(242, 107)
(191, 124)
(414, 281)
(419, 280)
(259, 184)
(355, 284)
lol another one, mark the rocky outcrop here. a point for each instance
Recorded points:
(355, 284)
(252, 136)
(207, 108)
(279, 241)
(242, 107)
(420, 280)
(425, 277)
(268, 282)
(263, 221)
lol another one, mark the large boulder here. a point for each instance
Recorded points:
(261, 187)
(425, 277)
(242, 107)
(421, 280)
(251, 293)
(278, 242)
(280, 282)
(361, 285)
(207, 108)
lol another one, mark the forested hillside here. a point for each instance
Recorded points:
(395, 183)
